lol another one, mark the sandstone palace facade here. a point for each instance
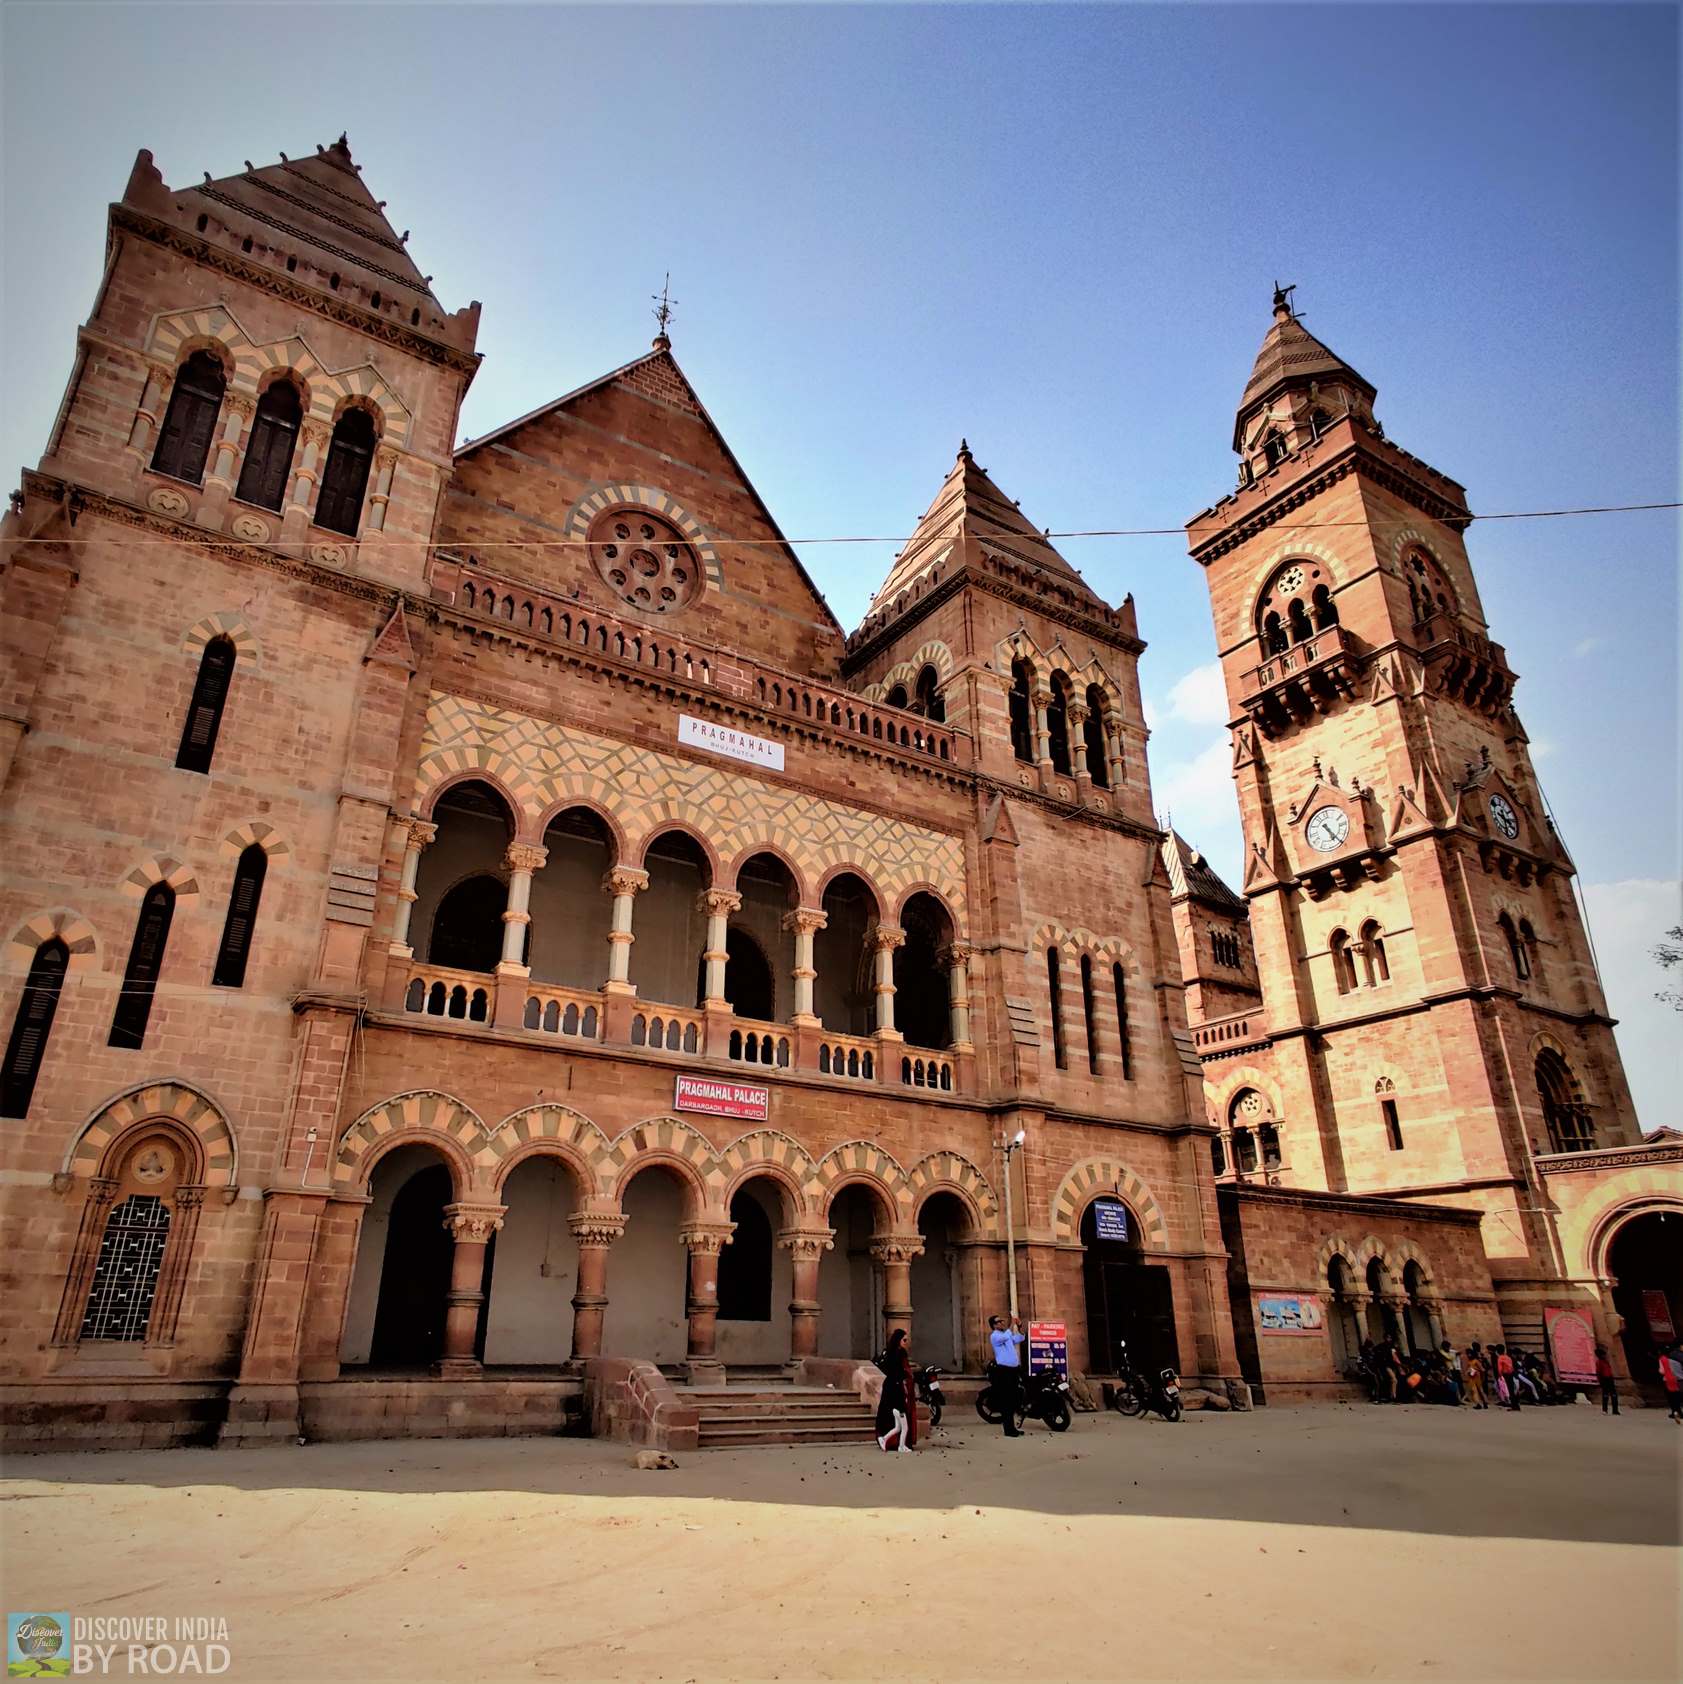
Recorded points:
(485, 950)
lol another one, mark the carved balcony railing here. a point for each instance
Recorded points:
(562, 1011)
(668, 1029)
(1218, 1036)
(1463, 663)
(1300, 681)
(851, 1057)
(760, 1043)
(928, 1070)
(433, 991)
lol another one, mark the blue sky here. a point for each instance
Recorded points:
(1051, 230)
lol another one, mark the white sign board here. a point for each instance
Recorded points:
(737, 745)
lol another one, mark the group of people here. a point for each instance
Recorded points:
(1472, 1378)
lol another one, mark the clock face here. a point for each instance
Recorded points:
(1507, 820)
(1328, 828)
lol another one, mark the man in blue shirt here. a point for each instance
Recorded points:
(1006, 1345)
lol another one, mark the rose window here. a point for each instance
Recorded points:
(1289, 581)
(645, 560)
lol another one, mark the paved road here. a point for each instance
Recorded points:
(1332, 1542)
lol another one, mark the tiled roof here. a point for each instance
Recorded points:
(1191, 874)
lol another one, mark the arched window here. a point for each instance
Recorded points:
(896, 698)
(125, 1280)
(1374, 963)
(268, 453)
(242, 918)
(1022, 715)
(1054, 989)
(1343, 962)
(1386, 1091)
(1570, 1125)
(1119, 983)
(1273, 634)
(1098, 766)
(1319, 421)
(1244, 1151)
(1528, 947)
(31, 1027)
(146, 959)
(1326, 610)
(1516, 948)
(204, 712)
(1088, 1014)
(345, 478)
(190, 421)
(928, 701)
(1274, 449)
(1268, 1138)
(745, 1264)
(467, 928)
(1297, 618)
(1057, 724)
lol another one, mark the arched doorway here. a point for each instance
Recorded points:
(850, 1286)
(1381, 1318)
(755, 1283)
(648, 1273)
(1417, 1319)
(942, 1327)
(535, 1267)
(669, 926)
(757, 937)
(1645, 1260)
(401, 1284)
(1127, 1298)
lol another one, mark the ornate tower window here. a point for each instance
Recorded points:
(1022, 718)
(1570, 1125)
(190, 420)
(345, 478)
(646, 561)
(268, 452)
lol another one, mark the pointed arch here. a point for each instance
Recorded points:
(172, 1100)
(1098, 1175)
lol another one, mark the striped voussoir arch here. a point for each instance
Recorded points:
(265, 836)
(155, 1102)
(1107, 1175)
(226, 624)
(855, 1159)
(769, 1149)
(668, 1138)
(160, 868)
(952, 1171)
(70, 927)
(570, 1130)
(424, 1111)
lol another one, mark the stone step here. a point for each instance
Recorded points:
(793, 1418)
(772, 1432)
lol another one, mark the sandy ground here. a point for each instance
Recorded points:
(1337, 1542)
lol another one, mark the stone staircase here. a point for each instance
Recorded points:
(735, 1416)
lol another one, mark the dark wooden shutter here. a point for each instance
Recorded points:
(242, 918)
(146, 958)
(30, 1028)
(190, 421)
(204, 712)
(345, 478)
(268, 454)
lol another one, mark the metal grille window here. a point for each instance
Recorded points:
(126, 1276)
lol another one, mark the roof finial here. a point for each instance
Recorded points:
(964, 451)
(1283, 311)
(663, 303)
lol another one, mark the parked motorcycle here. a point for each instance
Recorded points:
(1040, 1397)
(1138, 1392)
(930, 1394)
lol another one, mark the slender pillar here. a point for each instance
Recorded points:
(595, 1231)
(885, 939)
(237, 410)
(624, 884)
(314, 436)
(1113, 755)
(1075, 714)
(385, 466)
(149, 417)
(1397, 1304)
(705, 1240)
(956, 958)
(471, 1226)
(522, 859)
(894, 1254)
(806, 922)
(418, 835)
(718, 904)
(806, 1247)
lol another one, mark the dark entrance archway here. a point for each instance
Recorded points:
(415, 1275)
(1646, 1260)
(1127, 1298)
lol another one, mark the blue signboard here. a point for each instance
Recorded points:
(1110, 1220)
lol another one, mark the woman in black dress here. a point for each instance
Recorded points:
(894, 1408)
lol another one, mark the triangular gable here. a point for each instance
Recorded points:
(392, 646)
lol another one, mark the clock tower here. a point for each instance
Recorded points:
(1434, 1024)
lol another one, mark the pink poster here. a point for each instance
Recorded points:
(1572, 1345)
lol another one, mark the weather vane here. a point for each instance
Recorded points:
(663, 302)
(1282, 298)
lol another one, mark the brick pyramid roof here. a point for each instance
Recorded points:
(1291, 355)
(1191, 874)
(321, 202)
(972, 516)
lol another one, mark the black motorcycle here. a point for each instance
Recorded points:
(1138, 1392)
(1040, 1397)
(930, 1394)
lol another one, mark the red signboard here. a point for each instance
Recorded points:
(1572, 1346)
(1656, 1308)
(1048, 1343)
(722, 1099)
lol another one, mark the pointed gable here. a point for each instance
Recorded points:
(1192, 876)
(971, 517)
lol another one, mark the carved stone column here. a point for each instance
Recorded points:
(306, 473)
(471, 1226)
(1113, 754)
(806, 1247)
(595, 1231)
(1043, 738)
(624, 884)
(177, 1260)
(705, 1240)
(718, 904)
(522, 859)
(237, 410)
(955, 958)
(893, 1253)
(1075, 716)
(149, 417)
(885, 939)
(385, 466)
(805, 922)
(419, 834)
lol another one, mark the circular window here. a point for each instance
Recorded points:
(1251, 1103)
(644, 560)
(1289, 581)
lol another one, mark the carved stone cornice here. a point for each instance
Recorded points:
(364, 321)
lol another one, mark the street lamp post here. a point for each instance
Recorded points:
(1012, 1145)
